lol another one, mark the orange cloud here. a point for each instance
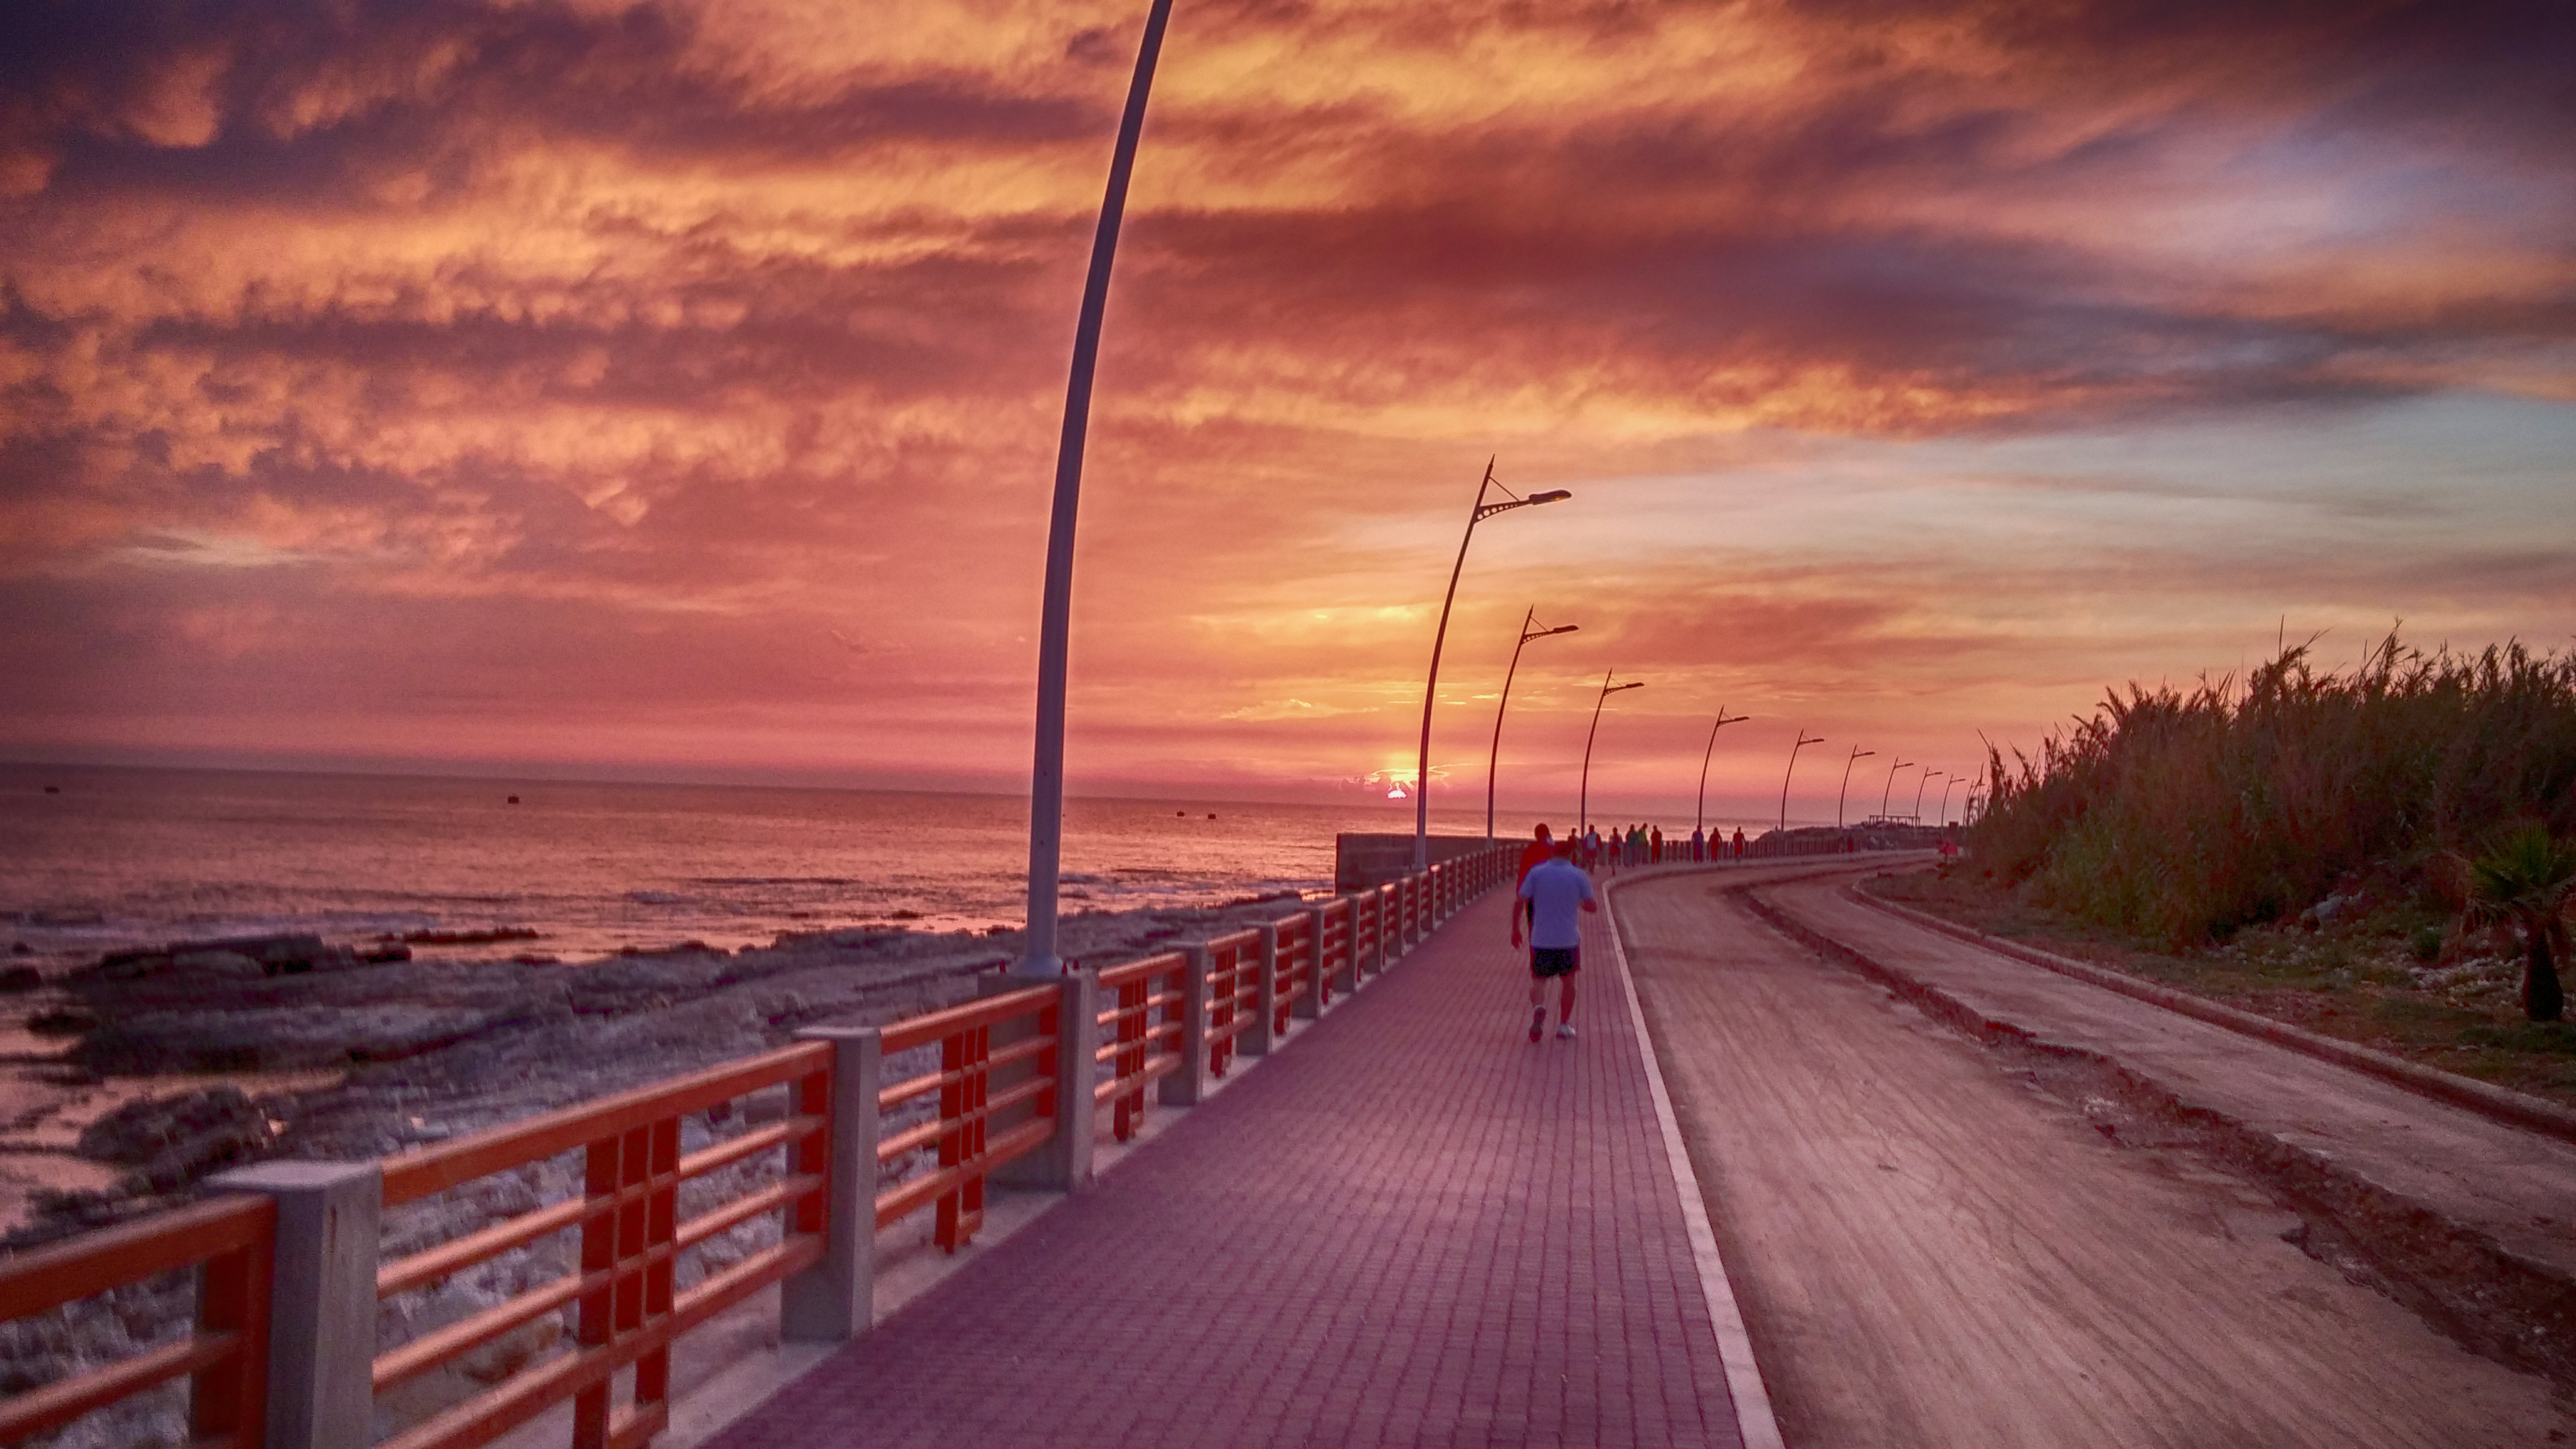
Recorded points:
(574, 382)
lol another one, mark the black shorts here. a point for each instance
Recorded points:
(1548, 961)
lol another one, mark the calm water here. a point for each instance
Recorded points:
(133, 856)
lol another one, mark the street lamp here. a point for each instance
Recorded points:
(1857, 755)
(1431, 685)
(1928, 777)
(1491, 760)
(1803, 742)
(1947, 786)
(1055, 615)
(1891, 784)
(1700, 817)
(1583, 805)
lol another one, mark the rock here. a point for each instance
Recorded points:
(535, 958)
(21, 948)
(63, 1021)
(284, 1038)
(173, 1141)
(281, 955)
(219, 965)
(21, 978)
(132, 965)
(470, 938)
(384, 955)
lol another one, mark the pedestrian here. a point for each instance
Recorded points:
(1655, 845)
(1637, 845)
(1541, 846)
(1591, 847)
(1739, 842)
(1556, 893)
(1699, 845)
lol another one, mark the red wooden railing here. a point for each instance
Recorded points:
(1368, 930)
(1233, 994)
(1333, 956)
(225, 1358)
(1296, 968)
(968, 1060)
(627, 1312)
(993, 1096)
(1142, 1029)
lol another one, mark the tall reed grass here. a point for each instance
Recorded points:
(2179, 816)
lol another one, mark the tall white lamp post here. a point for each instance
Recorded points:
(1055, 621)
(1802, 743)
(1583, 806)
(1891, 785)
(1699, 814)
(1857, 755)
(1529, 631)
(1431, 686)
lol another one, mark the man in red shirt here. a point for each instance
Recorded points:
(1539, 848)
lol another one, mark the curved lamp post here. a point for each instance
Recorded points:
(1928, 777)
(1891, 785)
(1046, 774)
(1803, 742)
(1583, 806)
(1699, 816)
(1495, 757)
(1857, 755)
(1947, 786)
(1431, 685)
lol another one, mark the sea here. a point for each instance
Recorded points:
(95, 859)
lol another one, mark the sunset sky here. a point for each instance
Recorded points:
(673, 388)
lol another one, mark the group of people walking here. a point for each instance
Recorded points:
(1556, 889)
(1637, 845)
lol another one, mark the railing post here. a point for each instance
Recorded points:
(1187, 1086)
(1380, 925)
(1348, 979)
(1064, 1163)
(1310, 999)
(322, 1299)
(1255, 1041)
(836, 1298)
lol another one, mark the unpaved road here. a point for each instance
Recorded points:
(1931, 1248)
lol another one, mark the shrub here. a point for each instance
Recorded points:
(2181, 816)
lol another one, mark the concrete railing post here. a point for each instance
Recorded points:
(1063, 1164)
(1187, 1086)
(836, 1298)
(322, 1299)
(1347, 979)
(1310, 998)
(1382, 926)
(1255, 1041)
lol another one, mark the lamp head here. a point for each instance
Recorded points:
(1565, 628)
(1553, 495)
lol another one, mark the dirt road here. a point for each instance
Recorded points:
(1932, 1247)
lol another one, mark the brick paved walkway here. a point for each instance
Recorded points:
(1409, 1227)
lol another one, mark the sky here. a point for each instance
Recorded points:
(672, 389)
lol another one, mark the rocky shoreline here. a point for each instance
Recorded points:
(342, 1058)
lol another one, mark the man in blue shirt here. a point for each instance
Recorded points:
(1556, 893)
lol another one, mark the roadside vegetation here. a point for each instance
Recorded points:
(2386, 853)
